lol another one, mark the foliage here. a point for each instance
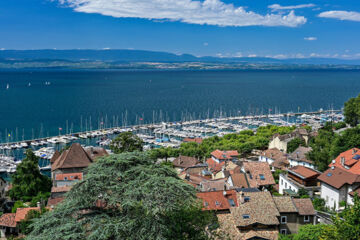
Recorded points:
(41, 198)
(27, 181)
(328, 145)
(315, 232)
(319, 204)
(276, 175)
(25, 225)
(18, 204)
(244, 142)
(302, 192)
(352, 111)
(339, 125)
(294, 144)
(126, 142)
(126, 196)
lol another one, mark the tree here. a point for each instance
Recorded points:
(25, 226)
(27, 181)
(126, 196)
(303, 193)
(294, 144)
(315, 232)
(352, 111)
(126, 142)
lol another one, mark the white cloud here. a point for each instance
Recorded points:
(341, 15)
(252, 55)
(277, 7)
(310, 38)
(206, 44)
(210, 12)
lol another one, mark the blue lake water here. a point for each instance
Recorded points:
(111, 97)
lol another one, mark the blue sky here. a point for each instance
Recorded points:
(278, 28)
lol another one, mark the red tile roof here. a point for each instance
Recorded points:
(304, 172)
(217, 200)
(197, 140)
(355, 191)
(74, 157)
(69, 176)
(350, 160)
(22, 212)
(54, 201)
(60, 189)
(337, 177)
(184, 162)
(214, 166)
(258, 174)
(8, 220)
(304, 206)
(224, 155)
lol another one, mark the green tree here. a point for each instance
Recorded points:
(319, 204)
(25, 225)
(352, 111)
(303, 193)
(126, 196)
(315, 232)
(294, 144)
(18, 204)
(126, 142)
(27, 181)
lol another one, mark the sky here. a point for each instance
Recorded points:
(224, 28)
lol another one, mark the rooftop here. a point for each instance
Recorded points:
(304, 172)
(225, 155)
(185, 162)
(304, 206)
(74, 157)
(218, 200)
(258, 174)
(285, 204)
(338, 177)
(350, 158)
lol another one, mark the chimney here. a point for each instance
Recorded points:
(242, 200)
(187, 176)
(342, 161)
(332, 167)
(353, 151)
(38, 205)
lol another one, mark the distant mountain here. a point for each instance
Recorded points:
(150, 56)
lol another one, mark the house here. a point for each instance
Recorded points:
(220, 201)
(337, 184)
(7, 225)
(199, 169)
(9, 222)
(214, 185)
(297, 178)
(275, 158)
(192, 179)
(75, 159)
(220, 156)
(348, 161)
(182, 162)
(258, 174)
(280, 141)
(256, 217)
(294, 213)
(57, 195)
(298, 157)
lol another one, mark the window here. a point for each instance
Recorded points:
(262, 177)
(245, 216)
(206, 204)
(65, 178)
(282, 182)
(306, 218)
(285, 185)
(231, 202)
(217, 203)
(246, 199)
(283, 231)
(283, 219)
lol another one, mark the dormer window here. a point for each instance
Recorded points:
(206, 204)
(342, 161)
(262, 177)
(65, 178)
(246, 216)
(217, 203)
(246, 199)
(231, 202)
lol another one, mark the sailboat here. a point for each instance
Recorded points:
(7, 86)
(29, 85)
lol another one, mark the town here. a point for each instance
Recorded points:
(268, 182)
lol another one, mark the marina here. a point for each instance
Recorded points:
(166, 134)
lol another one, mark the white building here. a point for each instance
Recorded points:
(337, 186)
(298, 158)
